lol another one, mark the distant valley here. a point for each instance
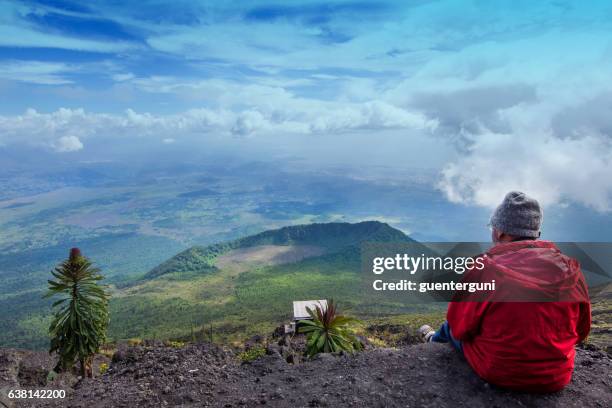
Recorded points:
(133, 221)
(129, 219)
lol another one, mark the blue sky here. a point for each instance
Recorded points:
(491, 95)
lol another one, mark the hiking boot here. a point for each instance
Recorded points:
(426, 332)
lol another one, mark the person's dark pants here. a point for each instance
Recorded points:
(444, 335)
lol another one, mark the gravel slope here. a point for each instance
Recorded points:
(426, 375)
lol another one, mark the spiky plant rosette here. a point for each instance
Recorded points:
(78, 328)
(329, 332)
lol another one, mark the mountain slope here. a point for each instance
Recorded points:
(331, 236)
(246, 286)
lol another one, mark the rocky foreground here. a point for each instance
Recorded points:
(426, 375)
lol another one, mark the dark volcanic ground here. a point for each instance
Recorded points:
(416, 376)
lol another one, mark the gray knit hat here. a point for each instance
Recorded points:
(518, 215)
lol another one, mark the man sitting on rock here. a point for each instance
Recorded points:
(510, 342)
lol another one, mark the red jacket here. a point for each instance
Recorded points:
(524, 345)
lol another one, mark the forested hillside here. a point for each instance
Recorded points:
(331, 236)
(247, 286)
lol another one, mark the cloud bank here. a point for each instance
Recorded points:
(67, 130)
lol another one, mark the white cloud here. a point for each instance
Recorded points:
(268, 107)
(122, 77)
(248, 122)
(68, 129)
(370, 116)
(37, 72)
(551, 169)
(67, 144)
(525, 114)
(14, 36)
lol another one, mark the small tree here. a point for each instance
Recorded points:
(329, 332)
(80, 316)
